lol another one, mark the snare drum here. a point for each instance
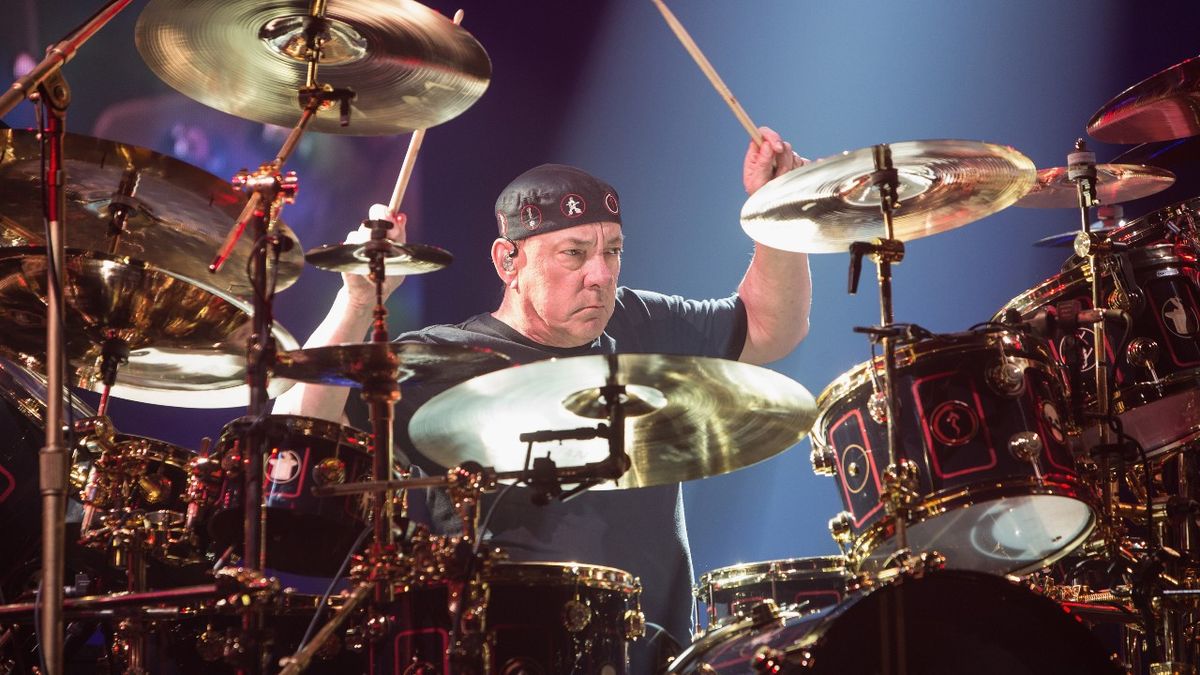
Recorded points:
(305, 534)
(952, 622)
(980, 416)
(1157, 365)
(802, 584)
(541, 618)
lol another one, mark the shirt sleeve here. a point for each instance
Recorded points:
(649, 322)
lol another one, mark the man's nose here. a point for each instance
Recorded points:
(598, 271)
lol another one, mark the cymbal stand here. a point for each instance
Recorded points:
(46, 84)
(900, 476)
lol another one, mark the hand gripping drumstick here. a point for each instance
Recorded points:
(410, 157)
(708, 70)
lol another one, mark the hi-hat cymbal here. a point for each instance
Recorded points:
(825, 206)
(352, 365)
(177, 215)
(686, 417)
(187, 342)
(408, 66)
(1162, 107)
(401, 260)
(1115, 184)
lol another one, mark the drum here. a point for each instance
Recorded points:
(801, 584)
(22, 434)
(541, 619)
(979, 415)
(1157, 364)
(946, 623)
(305, 534)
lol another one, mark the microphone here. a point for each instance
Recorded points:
(1062, 318)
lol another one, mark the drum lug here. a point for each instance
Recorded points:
(768, 660)
(576, 616)
(824, 461)
(635, 624)
(1007, 378)
(877, 407)
(841, 527)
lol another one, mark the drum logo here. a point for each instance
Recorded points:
(7, 484)
(855, 467)
(283, 466)
(954, 423)
(1177, 318)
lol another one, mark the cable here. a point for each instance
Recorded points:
(312, 625)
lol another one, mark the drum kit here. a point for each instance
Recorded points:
(1050, 444)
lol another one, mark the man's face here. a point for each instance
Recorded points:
(568, 282)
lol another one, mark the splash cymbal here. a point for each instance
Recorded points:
(353, 365)
(687, 417)
(401, 260)
(187, 342)
(826, 205)
(1115, 184)
(408, 66)
(1162, 107)
(176, 215)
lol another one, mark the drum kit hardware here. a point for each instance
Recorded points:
(1053, 442)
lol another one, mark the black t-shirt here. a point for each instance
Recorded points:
(641, 531)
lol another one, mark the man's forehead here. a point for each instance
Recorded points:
(586, 233)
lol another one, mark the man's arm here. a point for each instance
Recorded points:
(348, 320)
(777, 288)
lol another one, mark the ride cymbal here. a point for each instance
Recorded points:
(826, 205)
(401, 260)
(687, 417)
(1162, 107)
(408, 66)
(353, 365)
(176, 215)
(187, 342)
(1115, 184)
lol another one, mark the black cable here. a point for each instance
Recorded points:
(312, 625)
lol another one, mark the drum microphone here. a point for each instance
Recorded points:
(1062, 318)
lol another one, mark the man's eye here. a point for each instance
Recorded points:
(573, 252)
(615, 251)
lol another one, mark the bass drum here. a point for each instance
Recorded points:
(948, 623)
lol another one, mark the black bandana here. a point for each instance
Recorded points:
(553, 197)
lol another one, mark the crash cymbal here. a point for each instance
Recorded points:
(686, 417)
(177, 214)
(409, 67)
(352, 365)
(826, 205)
(187, 342)
(1164, 106)
(402, 259)
(1115, 184)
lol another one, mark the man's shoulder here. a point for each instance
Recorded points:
(448, 332)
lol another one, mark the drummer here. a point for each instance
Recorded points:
(558, 255)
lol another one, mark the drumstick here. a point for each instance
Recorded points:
(708, 70)
(410, 157)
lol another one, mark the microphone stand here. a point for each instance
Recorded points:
(46, 84)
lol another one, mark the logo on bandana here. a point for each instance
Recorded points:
(531, 216)
(610, 203)
(283, 466)
(502, 222)
(572, 205)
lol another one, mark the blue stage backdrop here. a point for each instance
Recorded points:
(606, 86)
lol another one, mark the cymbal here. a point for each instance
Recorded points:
(352, 365)
(178, 214)
(826, 205)
(409, 67)
(1065, 239)
(187, 342)
(1115, 184)
(402, 259)
(1162, 107)
(686, 417)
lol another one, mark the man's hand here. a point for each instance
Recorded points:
(769, 159)
(359, 287)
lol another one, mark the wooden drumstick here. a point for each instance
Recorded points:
(708, 70)
(410, 157)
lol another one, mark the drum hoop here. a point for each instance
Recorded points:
(334, 432)
(565, 574)
(734, 576)
(1133, 232)
(152, 449)
(1058, 485)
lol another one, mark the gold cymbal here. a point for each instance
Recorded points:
(1115, 184)
(1162, 107)
(826, 205)
(352, 365)
(687, 417)
(408, 66)
(401, 260)
(187, 342)
(177, 215)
